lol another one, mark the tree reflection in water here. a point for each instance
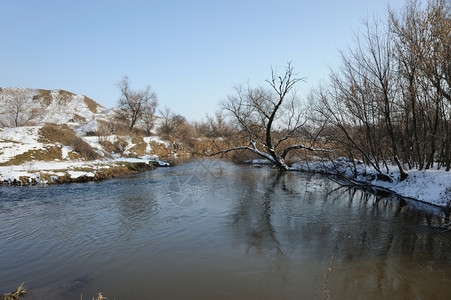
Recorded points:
(292, 219)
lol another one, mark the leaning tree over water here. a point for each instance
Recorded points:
(271, 118)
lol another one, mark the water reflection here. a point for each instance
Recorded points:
(377, 241)
(251, 233)
(135, 206)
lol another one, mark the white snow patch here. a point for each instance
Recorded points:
(18, 140)
(77, 174)
(33, 169)
(65, 151)
(156, 139)
(25, 134)
(430, 186)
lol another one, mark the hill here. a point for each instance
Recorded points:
(21, 106)
(55, 131)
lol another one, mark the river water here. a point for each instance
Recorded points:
(209, 229)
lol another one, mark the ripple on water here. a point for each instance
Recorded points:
(249, 233)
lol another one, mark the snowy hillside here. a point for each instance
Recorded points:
(20, 107)
(25, 107)
(37, 154)
(45, 131)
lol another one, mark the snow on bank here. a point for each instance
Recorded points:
(430, 186)
(33, 170)
(146, 158)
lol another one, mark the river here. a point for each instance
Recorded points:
(209, 229)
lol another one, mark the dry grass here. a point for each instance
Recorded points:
(160, 149)
(22, 292)
(121, 170)
(109, 146)
(107, 172)
(241, 156)
(64, 97)
(14, 295)
(100, 297)
(52, 133)
(91, 104)
(63, 134)
(44, 97)
(78, 119)
(140, 146)
(49, 153)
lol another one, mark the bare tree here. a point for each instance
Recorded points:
(218, 126)
(18, 107)
(173, 125)
(270, 118)
(148, 117)
(135, 105)
(167, 126)
(423, 49)
(389, 101)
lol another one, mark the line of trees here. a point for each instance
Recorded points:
(390, 100)
(389, 103)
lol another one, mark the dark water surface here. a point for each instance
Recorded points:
(213, 230)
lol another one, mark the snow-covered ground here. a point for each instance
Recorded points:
(430, 186)
(18, 140)
(33, 170)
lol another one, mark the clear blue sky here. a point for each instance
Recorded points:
(191, 53)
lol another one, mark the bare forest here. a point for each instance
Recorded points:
(388, 103)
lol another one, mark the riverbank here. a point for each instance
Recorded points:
(429, 186)
(76, 171)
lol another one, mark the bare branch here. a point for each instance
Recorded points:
(301, 146)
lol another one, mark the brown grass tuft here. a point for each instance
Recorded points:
(91, 104)
(64, 97)
(44, 97)
(100, 297)
(14, 295)
(64, 135)
(160, 149)
(49, 153)
(140, 146)
(77, 119)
